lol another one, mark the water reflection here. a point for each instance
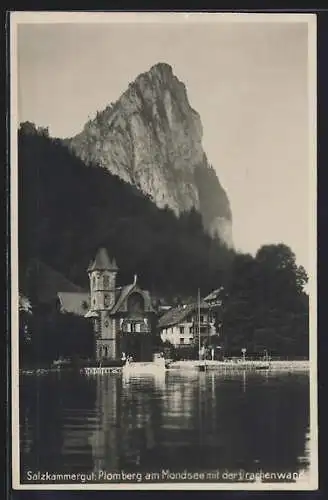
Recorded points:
(198, 421)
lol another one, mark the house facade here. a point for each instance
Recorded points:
(180, 325)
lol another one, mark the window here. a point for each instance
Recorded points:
(182, 340)
(202, 319)
(106, 300)
(128, 327)
(137, 327)
(94, 282)
(181, 330)
(106, 282)
(191, 329)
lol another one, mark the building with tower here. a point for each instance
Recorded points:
(102, 276)
(122, 316)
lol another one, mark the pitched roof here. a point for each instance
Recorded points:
(102, 262)
(177, 314)
(126, 290)
(214, 294)
(43, 282)
(92, 314)
(76, 303)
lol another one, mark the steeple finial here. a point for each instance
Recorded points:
(102, 262)
(135, 279)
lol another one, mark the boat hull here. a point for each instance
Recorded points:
(141, 368)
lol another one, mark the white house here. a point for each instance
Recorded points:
(180, 325)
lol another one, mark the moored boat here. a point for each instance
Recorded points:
(157, 366)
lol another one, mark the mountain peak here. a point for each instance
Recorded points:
(162, 67)
(152, 138)
(158, 75)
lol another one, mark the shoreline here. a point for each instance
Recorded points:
(193, 365)
(273, 365)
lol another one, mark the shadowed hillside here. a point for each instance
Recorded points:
(67, 210)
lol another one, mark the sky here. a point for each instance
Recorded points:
(247, 80)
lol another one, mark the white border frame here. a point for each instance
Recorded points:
(17, 18)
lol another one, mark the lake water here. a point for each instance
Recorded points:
(192, 422)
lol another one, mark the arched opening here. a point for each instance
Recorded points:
(135, 304)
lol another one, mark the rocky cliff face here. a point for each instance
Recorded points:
(152, 138)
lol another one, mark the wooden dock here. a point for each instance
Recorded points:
(100, 370)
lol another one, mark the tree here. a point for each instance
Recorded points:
(54, 335)
(266, 306)
(28, 128)
(74, 336)
(24, 305)
(281, 261)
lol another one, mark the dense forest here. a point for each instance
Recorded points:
(67, 210)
